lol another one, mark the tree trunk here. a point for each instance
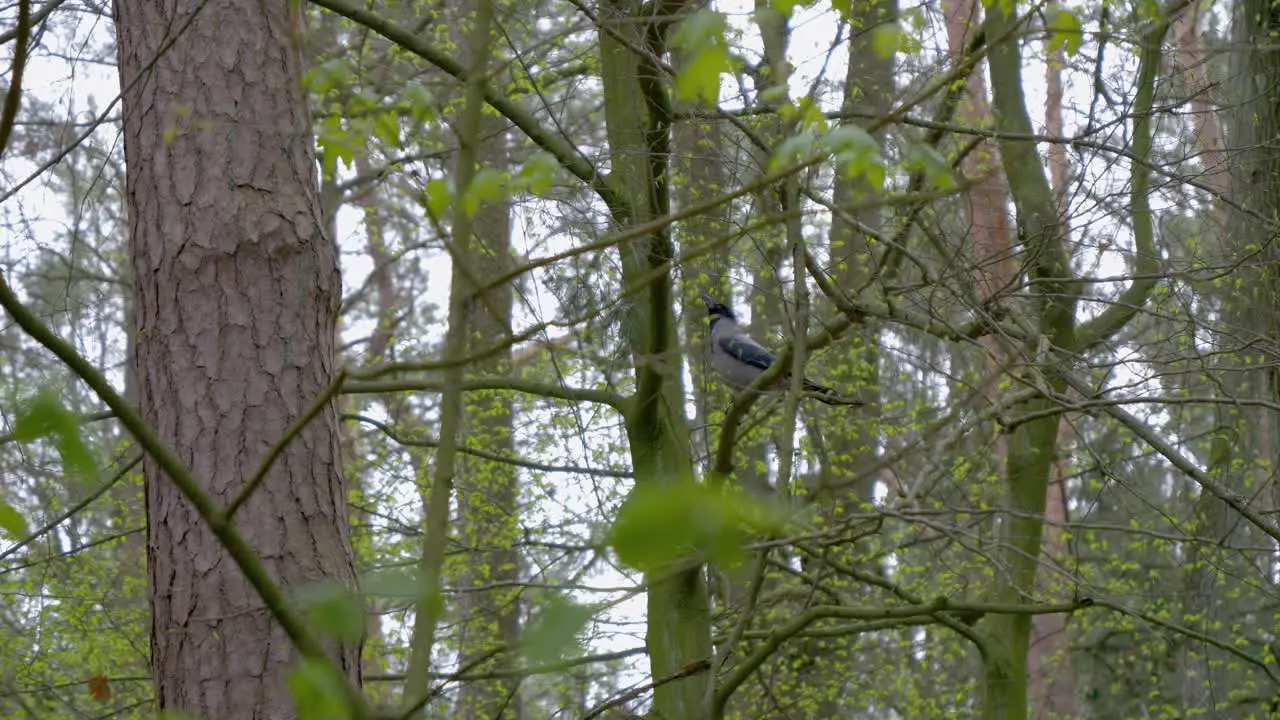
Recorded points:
(1049, 668)
(1251, 305)
(638, 123)
(1033, 445)
(237, 289)
(465, 307)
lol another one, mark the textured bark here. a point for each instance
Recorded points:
(237, 291)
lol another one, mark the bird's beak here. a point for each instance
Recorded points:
(710, 301)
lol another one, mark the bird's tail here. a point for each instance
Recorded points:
(825, 394)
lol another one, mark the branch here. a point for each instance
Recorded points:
(88, 499)
(857, 310)
(742, 402)
(1198, 637)
(170, 464)
(547, 390)
(1202, 478)
(1037, 213)
(568, 156)
(476, 452)
(693, 668)
(289, 434)
(960, 627)
(13, 98)
(22, 27)
(1146, 263)
(82, 420)
(901, 613)
(429, 609)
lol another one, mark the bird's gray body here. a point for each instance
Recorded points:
(739, 360)
(734, 355)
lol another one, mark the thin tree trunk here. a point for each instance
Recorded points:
(988, 199)
(488, 525)
(237, 291)
(852, 440)
(1049, 669)
(463, 307)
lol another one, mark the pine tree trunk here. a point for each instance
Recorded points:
(237, 290)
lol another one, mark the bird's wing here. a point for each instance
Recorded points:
(745, 350)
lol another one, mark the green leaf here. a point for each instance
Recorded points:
(936, 171)
(698, 28)
(386, 128)
(439, 195)
(844, 7)
(488, 185)
(850, 137)
(788, 7)
(806, 114)
(811, 116)
(661, 523)
(699, 79)
(335, 610)
(336, 143)
(792, 150)
(916, 18)
(317, 692)
(1066, 32)
(886, 40)
(418, 100)
(391, 584)
(12, 522)
(776, 95)
(858, 153)
(703, 36)
(327, 76)
(553, 630)
(537, 173)
(44, 416)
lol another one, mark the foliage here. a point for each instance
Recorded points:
(770, 169)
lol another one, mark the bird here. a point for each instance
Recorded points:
(739, 360)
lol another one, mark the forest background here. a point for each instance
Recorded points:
(353, 361)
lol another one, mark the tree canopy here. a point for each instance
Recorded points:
(353, 360)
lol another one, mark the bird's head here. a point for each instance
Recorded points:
(717, 310)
